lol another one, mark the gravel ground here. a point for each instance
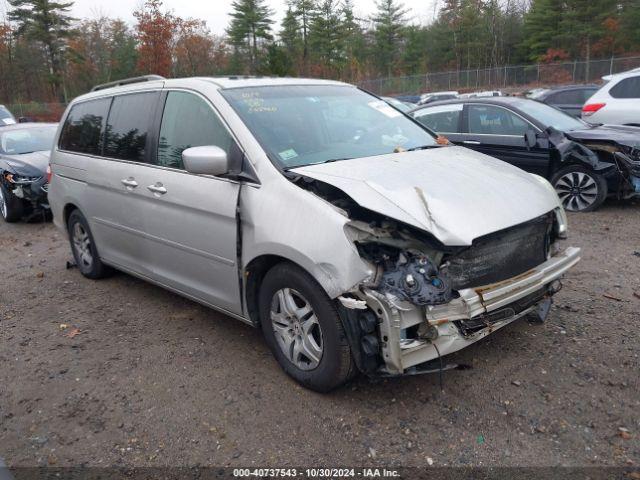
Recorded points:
(152, 379)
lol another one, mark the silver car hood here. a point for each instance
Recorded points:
(454, 193)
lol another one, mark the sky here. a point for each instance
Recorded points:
(215, 12)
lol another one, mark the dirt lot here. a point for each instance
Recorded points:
(154, 379)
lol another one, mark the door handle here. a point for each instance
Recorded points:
(471, 142)
(157, 189)
(129, 182)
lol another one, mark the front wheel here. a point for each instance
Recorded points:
(579, 189)
(11, 207)
(84, 247)
(301, 325)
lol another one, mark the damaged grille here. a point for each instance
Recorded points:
(502, 255)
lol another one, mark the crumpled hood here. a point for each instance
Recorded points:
(28, 164)
(454, 193)
(622, 134)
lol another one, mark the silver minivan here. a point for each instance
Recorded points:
(310, 209)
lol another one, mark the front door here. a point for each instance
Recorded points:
(499, 132)
(191, 219)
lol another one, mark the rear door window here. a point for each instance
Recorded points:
(492, 120)
(441, 119)
(568, 97)
(188, 121)
(83, 128)
(130, 121)
(627, 88)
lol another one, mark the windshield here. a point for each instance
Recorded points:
(549, 116)
(304, 125)
(5, 117)
(27, 140)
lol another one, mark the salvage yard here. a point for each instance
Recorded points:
(120, 372)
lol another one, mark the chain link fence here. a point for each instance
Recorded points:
(507, 78)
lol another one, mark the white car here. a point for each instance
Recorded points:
(617, 102)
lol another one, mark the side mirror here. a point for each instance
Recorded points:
(208, 160)
(531, 139)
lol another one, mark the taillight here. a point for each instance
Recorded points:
(49, 174)
(592, 108)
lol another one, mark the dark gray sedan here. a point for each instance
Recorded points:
(24, 159)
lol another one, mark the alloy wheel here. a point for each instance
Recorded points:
(577, 191)
(82, 245)
(296, 328)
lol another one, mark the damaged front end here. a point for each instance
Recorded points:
(428, 300)
(446, 269)
(611, 151)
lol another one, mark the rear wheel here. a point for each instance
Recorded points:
(11, 207)
(579, 189)
(303, 330)
(84, 248)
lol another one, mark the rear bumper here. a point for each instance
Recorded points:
(491, 306)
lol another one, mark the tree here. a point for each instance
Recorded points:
(389, 22)
(156, 32)
(49, 24)
(291, 36)
(326, 39)
(250, 27)
(304, 10)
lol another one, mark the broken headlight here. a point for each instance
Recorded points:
(20, 179)
(416, 279)
(560, 225)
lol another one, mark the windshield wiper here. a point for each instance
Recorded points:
(422, 147)
(331, 160)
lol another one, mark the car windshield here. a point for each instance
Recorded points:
(549, 116)
(305, 125)
(5, 117)
(27, 140)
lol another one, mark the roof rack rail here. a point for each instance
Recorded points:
(127, 81)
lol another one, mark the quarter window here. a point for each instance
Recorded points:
(627, 88)
(128, 127)
(188, 121)
(84, 127)
(491, 120)
(441, 119)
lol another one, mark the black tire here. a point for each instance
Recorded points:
(335, 366)
(11, 207)
(579, 188)
(89, 265)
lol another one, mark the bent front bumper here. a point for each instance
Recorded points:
(500, 303)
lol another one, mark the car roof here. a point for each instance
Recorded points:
(23, 126)
(487, 100)
(229, 82)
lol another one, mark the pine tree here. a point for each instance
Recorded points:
(291, 36)
(250, 27)
(48, 23)
(304, 10)
(326, 38)
(541, 27)
(389, 22)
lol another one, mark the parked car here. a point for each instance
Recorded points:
(413, 99)
(617, 102)
(585, 163)
(570, 98)
(400, 105)
(309, 208)
(24, 159)
(481, 94)
(6, 117)
(426, 98)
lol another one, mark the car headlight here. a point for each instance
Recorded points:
(20, 179)
(561, 224)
